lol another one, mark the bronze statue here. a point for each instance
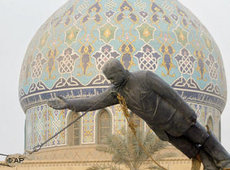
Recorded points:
(165, 112)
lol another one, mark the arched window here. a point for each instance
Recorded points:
(210, 123)
(104, 126)
(74, 131)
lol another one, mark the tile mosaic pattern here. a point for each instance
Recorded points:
(67, 53)
(42, 123)
(88, 128)
(56, 120)
(70, 48)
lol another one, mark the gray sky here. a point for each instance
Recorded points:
(19, 21)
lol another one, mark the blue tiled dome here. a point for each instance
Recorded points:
(67, 53)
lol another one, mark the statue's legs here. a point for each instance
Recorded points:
(217, 151)
(207, 161)
(185, 146)
(191, 150)
(209, 144)
(196, 139)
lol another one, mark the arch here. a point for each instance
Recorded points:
(104, 126)
(74, 131)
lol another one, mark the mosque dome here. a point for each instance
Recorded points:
(67, 53)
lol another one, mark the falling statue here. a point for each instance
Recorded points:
(165, 112)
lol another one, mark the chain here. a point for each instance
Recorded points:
(132, 126)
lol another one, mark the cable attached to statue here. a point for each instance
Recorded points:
(12, 160)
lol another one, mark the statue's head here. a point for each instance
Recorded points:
(114, 72)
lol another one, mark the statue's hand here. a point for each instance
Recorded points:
(59, 103)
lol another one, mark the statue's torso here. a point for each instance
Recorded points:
(156, 111)
(144, 101)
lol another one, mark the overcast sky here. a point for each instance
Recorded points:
(19, 21)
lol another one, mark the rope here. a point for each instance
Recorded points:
(131, 125)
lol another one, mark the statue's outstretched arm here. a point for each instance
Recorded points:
(167, 92)
(107, 98)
